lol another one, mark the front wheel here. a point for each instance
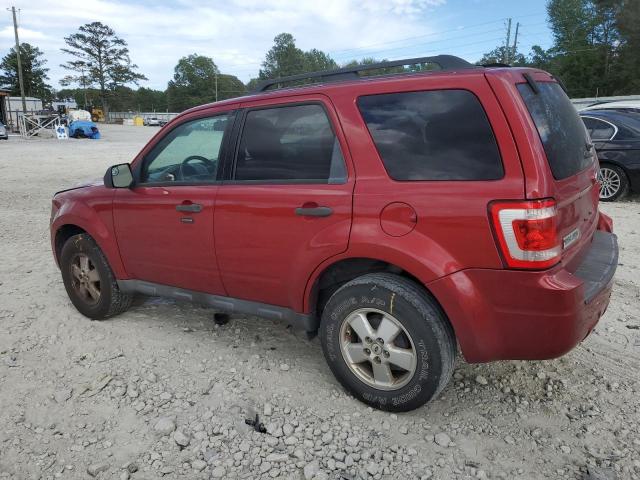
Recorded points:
(388, 342)
(89, 281)
(613, 182)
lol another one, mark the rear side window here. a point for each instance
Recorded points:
(432, 135)
(598, 130)
(291, 143)
(562, 132)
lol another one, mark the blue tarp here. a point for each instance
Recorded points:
(84, 129)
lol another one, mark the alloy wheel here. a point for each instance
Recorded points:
(378, 349)
(610, 182)
(85, 279)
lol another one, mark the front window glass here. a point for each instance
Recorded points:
(188, 153)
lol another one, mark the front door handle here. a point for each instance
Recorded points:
(189, 207)
(314, 211)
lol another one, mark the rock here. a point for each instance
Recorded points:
(62, 396)
(481, 380)
(372, 468)
(311, 469)
(353, 441)
(268, 409)
(284, 367)
(132, 467)
(565, 449)
(125, 476)
(96, 468)
(244, 446)
(442, 439)
(277, 457)
(403, 430)
(164, 426)
(327, 438)
(181, 438)
(198, 465)
(426, 474)
(218, 472)
(510, 440)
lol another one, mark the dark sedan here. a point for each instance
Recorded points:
(616, 137)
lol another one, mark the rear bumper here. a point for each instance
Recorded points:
(526, 315)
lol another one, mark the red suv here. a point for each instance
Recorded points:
(400, 215)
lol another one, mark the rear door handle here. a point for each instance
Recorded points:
(314, 211)
(189, 207)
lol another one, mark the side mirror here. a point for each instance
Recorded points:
(118, 176)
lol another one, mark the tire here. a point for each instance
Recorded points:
(98, 277)
(614, 183)
(424, 330)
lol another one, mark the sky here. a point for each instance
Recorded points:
(238, 33)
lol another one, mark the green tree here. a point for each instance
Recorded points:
(197, 80)
(627, 71)
(283, 59)
(585, 44)
(101, 60)
(34, 73)
(504, 54)
(148, 100)
(316, 60)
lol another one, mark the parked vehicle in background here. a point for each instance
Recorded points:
(152, 122)
(398, 216)
(616, 137)
(4, 134)
(621, 105)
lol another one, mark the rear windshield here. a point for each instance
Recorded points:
(562, 132)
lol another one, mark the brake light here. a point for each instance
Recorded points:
(527, 232)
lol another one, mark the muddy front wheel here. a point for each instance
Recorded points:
(89, 281)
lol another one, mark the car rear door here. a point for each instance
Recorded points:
(285, 205)
(164, 223)
(558, 158)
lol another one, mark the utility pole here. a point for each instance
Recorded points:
(515, 42)
(505, 55)
(15, 31)
(216, 86)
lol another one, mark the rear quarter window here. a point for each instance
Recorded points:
(432, 135)
(563, 134)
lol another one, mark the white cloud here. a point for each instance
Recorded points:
(236, 33)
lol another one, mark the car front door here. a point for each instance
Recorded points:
(164, 223)
(286, 206)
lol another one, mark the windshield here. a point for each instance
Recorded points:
(563, 134)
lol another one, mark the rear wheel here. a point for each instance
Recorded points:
(614, 183)
(89, 281)
(387, 342)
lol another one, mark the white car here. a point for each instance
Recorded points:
(619, 105)
(4, 135)
(152, 122)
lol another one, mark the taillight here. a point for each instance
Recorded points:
(527, 232)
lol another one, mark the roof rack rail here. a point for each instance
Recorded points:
(446, 62)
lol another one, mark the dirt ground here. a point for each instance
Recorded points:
(163, 391)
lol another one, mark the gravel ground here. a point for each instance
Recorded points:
(163, 391)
